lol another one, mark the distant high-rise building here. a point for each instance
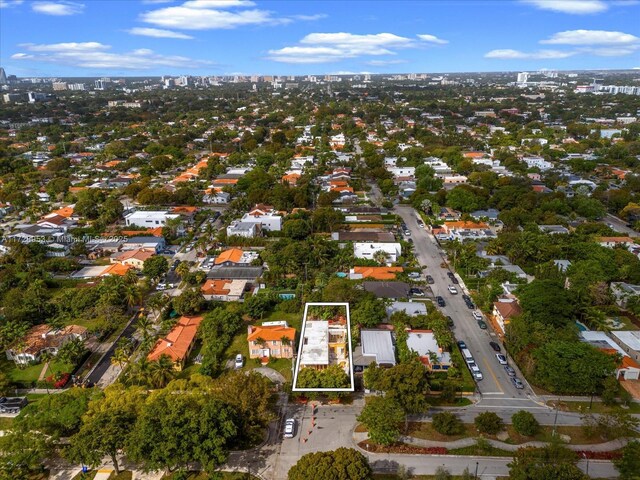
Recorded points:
(3, 77)
(57, 86)
(99, 84)
(523, 77)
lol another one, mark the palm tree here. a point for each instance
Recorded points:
(144, 326)
(132, 296)
(183, 270)
(161, 371)
(131, 277)
(121, 356)
(139, 372)
(157, 302)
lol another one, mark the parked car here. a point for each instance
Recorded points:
(289, 428)
(413, 275)
(517, 383)
(475, 371)
(477, 315)
(502, 360)
(495, 346)
(416, 292)
(450, 322)
(239, 361)
(453, 277)
(420, 223)
(510, 371)
(461, 344)
(452, 290)
(161, 286)
(440, 301)
(482, 324)
(430, 280)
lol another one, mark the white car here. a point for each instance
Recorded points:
(452, 290)
(475, 371)
(290, 428)
(161, 286)
(477, 315)
(239, 361)
(502, 360)
(414, 275)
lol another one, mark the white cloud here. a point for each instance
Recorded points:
(574, 7)
(382, 63)
(616, 51)
(190, 18)
(332, 47)
(510, 54)
(218, 3)
(10, 3)
(432, 39)
(591, 37)
(95, 55)
(310, 18)
(58, 9)
(158, 33)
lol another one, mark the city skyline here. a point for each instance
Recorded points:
(165, 37)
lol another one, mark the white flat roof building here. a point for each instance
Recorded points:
(379, 344)
(368, 250)
(315, 343)
(149, 218)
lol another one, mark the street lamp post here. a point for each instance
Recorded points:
(555, 420)
(476, 474)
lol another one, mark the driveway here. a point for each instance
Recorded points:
(271, 374)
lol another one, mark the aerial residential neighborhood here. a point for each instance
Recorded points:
(239, 242)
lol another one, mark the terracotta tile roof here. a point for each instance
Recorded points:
(270, 333)
(64, 211)
(53, 218)
(138, 254)
(116, 269)
(232, 255)
(508, 309)
(44, 336)
(378, 273)
(184, 209)
(77, 189)
(467, 225)
(154, 232)
(178, 341)
(215, 287)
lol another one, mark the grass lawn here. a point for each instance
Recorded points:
(125, 475)
(596, 407)
(459, 402)
(425, 431)
(489, 451)
(6, 423)
(32, 372)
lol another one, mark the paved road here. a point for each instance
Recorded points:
(496, 387)
(619, 225)
(104, 363)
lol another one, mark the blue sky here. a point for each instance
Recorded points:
(216, 37)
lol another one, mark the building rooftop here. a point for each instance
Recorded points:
(630, 338)
(315, 343)
(378, 344)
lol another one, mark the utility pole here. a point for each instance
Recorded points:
(476, 475)
(555, 420)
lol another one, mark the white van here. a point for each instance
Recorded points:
(467, 355)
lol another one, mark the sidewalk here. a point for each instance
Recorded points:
(467, 442)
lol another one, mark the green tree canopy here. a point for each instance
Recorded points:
(343, 464)
(382, 416)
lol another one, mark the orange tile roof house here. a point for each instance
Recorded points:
(273, 345)
(224, 290)
(43, 338)
(135, 258)
(178, 343)
(376, 273)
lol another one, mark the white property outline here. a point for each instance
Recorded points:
(304, 322)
